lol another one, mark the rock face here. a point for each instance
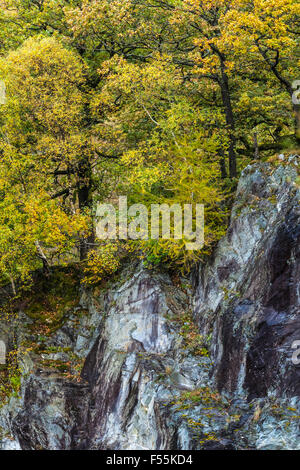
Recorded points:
(250, 291)
(143, 383)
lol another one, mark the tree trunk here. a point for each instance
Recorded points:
(84, 191)
(41, 254)
(292, 91)
(296, 108)
(13, 285)
(224, 84)
(256, 149)
(223, 166)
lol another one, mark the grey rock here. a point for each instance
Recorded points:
(141, 387)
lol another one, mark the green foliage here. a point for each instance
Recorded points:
(203, 395)
(194, 342)
(162, 101)
(10, 377)
(101, 263)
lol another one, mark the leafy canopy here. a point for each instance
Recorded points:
(165, 101)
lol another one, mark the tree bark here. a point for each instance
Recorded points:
(296, 108)
(283, 81)
(223, 166)
(41, 254)
(84, 191)
(225, 92)
(256, 149)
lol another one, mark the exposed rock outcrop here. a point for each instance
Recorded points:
(143, 386)
(249, 294)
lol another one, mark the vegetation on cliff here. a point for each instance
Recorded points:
(162, 101)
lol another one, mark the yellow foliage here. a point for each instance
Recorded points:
(101, 263)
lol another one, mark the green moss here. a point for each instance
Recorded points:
(202, 395)
(273, 199)
(71, 368)
(10, 378)
(194, 342)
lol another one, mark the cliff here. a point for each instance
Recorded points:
(155, 361)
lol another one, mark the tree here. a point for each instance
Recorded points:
(47, 150)
(172, 149)
(266, 34)
(189, 31)
(160, 100)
